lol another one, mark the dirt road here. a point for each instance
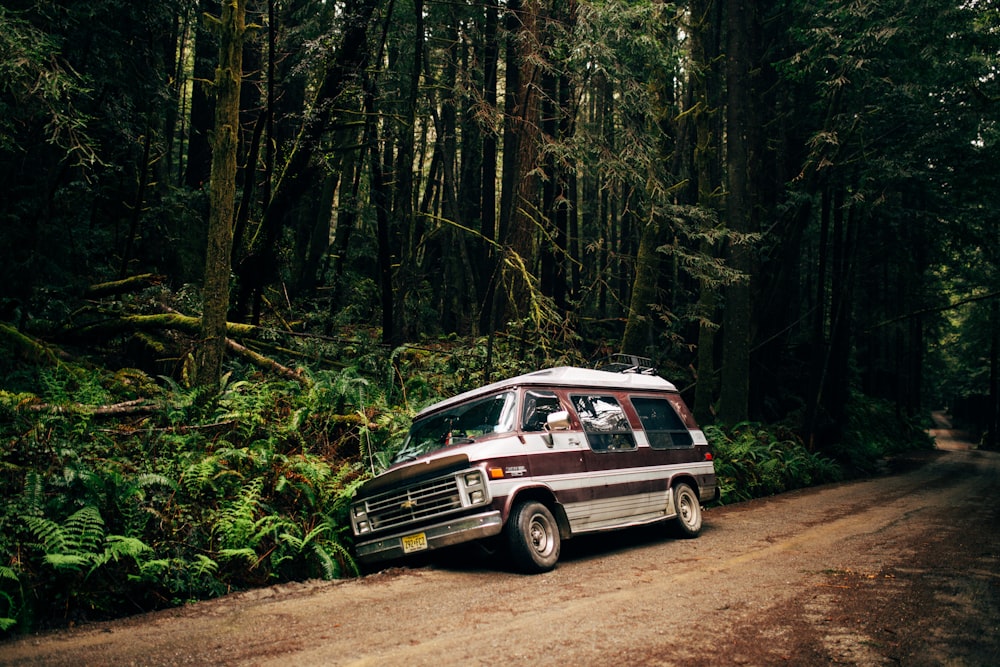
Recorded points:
(899, 570)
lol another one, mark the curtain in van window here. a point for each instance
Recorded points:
(604, 422)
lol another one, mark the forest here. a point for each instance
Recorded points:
(244, 241)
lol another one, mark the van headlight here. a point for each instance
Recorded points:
(359, 517)
(475, 490)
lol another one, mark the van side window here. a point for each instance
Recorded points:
(538, 405)
(664, 429)
(604, 422)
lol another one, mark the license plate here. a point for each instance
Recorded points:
(413, 543)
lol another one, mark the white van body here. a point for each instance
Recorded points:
(537, 459)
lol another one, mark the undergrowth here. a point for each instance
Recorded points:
(754, 460)
(195, 497)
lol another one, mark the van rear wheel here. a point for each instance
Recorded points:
(532, 538)
(688, 521)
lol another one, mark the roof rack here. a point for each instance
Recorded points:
(627, 363)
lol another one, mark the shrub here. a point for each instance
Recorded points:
(752, 460)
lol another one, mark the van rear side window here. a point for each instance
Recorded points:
(604, 422)
(664, 429)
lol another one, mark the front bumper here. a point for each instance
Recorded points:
(457, 530)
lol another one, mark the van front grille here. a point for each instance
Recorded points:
(419, 502)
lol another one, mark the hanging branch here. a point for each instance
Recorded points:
(936, 309)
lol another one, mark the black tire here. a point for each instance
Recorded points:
(688, 506)
(532, 538)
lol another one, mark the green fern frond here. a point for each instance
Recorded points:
(146, 480)
(154, 567)
(119, 546)
(203, 565)
(48, 532)
(326, 563)
(338, 549)
(245, 554)
(84, 530)
(33, 495)
(72, 562)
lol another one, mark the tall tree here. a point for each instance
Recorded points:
(706, 16)
(734, 402)
(225, 140)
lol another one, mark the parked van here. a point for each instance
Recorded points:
(538, 459)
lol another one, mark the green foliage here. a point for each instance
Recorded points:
(10, 597)
(206, 495)
(753, 460)
(35, 86)
(876, 429)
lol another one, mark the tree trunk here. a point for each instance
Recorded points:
(199, 150)
(734, 399)
(488, 252)
(704, 85)
(993, 411)
(519, 199)
(215, 292)
(639, 337)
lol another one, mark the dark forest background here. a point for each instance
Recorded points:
(293, 222)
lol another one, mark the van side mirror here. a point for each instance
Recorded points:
(558, 421)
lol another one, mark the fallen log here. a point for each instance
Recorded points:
(192, 326)
(30, 348)
(139, 406)
(124, 286)
(266, 363)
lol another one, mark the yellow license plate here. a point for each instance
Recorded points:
(413, 543)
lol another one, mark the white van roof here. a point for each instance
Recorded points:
(563, 376)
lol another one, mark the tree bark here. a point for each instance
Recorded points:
(734, 401)
(993, 411)
(199, 149)
(215, 291)
(639, 330)
(704, 84)
(520, 187)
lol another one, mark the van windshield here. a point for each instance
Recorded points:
(460, 424)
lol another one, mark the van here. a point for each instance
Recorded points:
(538, 459)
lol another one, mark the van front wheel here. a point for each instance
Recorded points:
(688, 521)
(532, 538)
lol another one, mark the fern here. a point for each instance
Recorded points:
(10, 605)
(204, 566)
(118, 547)
(245, 554)
(752, 461)
(318, 552)
(73, 544)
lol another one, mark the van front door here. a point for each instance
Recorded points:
(555, 456)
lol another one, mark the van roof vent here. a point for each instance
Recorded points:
(627, 363)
